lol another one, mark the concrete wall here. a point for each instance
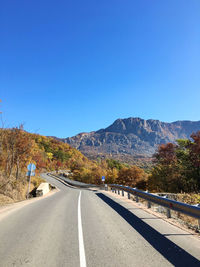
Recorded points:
(42, 189)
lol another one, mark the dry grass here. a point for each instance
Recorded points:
(36, 181)
(5, 200)
(190, 199)
(12, 190)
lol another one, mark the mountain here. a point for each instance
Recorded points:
(131, 138)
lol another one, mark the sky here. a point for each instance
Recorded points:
(71, 66)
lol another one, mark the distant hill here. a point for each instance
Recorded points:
(131, 139)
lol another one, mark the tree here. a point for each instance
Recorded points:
(58, 165)
(24, 145)
(112, 163)
(194, 154)
(165, 174)
(177, 167)
(112, 175)
(166, 154)
(133, 176)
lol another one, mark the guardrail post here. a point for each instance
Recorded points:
(168, 213)
(148, 202)
(136, 197)
(160, 200)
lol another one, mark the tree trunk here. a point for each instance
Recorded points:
(17, 169)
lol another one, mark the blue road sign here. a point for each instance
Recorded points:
(31, 167)
(103, 178)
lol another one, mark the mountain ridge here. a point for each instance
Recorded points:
(131, 138)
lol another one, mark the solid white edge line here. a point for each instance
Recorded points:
(80, 235)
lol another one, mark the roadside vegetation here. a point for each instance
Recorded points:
(113, 170)
(176, 168)
(17, 149)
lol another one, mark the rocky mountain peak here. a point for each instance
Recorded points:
(130, 138)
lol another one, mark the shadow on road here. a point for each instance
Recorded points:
(173, 253)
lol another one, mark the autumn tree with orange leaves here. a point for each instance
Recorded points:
(177, 167)
(132, 176)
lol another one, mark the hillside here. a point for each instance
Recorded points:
(131, 139)
(18, 148)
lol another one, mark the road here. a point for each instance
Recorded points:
(82, 227)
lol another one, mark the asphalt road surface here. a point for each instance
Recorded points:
(82, 227)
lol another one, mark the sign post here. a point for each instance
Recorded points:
(103, 179)
(31, 167)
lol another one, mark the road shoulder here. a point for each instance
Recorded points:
(9, 208)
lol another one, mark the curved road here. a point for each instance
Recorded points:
(91, 229)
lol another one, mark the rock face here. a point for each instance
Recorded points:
(131, 138)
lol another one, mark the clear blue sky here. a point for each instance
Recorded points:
(73, 66)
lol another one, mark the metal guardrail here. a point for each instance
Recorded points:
(169, 204)
(193, 211)
(71, 182)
